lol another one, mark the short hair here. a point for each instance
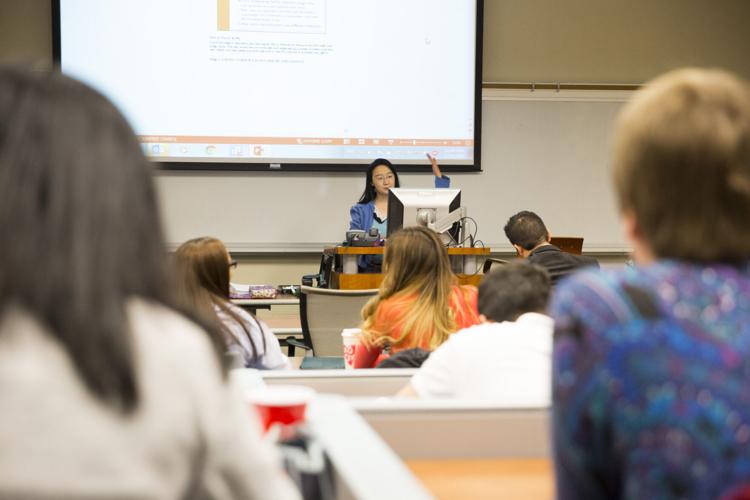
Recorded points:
(682, 165)
(512, 290)
(526, 229)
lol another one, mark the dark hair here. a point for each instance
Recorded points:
(369, 193)
(514, 289)
(79, 224)
(408, 358)
(203, 275)
(526, 229)
(682, 165)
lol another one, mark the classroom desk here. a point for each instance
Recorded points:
(254, 304)
(530, 479)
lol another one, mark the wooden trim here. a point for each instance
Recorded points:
(379, 251)
(469, 251)
(359, 250)
(373, 280)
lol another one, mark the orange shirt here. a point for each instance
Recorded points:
(392, 312)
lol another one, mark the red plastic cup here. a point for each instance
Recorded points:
(281, 404)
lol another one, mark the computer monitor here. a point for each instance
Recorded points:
(424, 207)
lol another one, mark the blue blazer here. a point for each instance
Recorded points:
(362, 214)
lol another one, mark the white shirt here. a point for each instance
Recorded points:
(190, 436)
(508, 362)
(271, 357)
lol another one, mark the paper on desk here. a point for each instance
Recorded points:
(238, 287)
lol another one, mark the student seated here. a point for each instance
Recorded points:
(419, 303)
(651, 373)
(506, 357)
(529, 236)
(203, 266)
(110, 388)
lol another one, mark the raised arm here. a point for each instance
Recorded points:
(441, 181)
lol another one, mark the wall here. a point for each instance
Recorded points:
(594, 41)
(606, 41)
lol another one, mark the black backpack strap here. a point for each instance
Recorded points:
(643, 301)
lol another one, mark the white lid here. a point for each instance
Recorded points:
(351, 332)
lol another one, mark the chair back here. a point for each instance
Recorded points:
(489, 262)
(324, 312)
(568, 244)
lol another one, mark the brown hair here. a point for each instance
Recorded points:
(79, 226)
(415, 263)
(682, 165)
(203, 266)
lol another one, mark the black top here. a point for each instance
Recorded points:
(559, 263)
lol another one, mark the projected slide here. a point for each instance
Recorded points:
(283, 81)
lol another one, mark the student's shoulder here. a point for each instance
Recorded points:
(468, 292)
(395, 305)
(475, 334)
(599, 282)
(159, 331)
(239, 311)
(602, 298)
(362, 207)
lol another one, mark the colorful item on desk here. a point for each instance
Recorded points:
(359, 238)
(289, 290)
(253, 292)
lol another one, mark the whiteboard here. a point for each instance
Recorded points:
(545, 151)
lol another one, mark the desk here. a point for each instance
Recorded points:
(254, 304)
(464, 262)
(531, 479)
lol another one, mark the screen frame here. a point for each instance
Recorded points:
(397, 203)
(219, 166)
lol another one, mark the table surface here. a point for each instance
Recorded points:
(280, 300)
(530, 479)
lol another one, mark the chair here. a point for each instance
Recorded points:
(488, 263)
(324, 312)
(568, 244)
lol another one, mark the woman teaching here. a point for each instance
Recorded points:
(372, 208)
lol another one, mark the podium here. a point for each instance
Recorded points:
(465, 263)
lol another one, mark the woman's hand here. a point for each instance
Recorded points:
(435, 168)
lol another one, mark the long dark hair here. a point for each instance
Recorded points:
(203, 268)
(369, 193)
(79, 224)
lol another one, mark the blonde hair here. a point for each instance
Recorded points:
(415, 266)
(682, 165)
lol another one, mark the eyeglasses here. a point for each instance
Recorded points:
(233, 264)
(381, 178)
